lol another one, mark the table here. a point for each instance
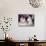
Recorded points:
(28, 43)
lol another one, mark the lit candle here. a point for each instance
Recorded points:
(7, 35)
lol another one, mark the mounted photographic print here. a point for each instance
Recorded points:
(25, 19)
(36, 3)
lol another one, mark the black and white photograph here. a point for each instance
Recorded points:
(26, 20)
(36, 3)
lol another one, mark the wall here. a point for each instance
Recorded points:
(11, 8)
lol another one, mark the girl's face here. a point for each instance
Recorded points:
(22, 19)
